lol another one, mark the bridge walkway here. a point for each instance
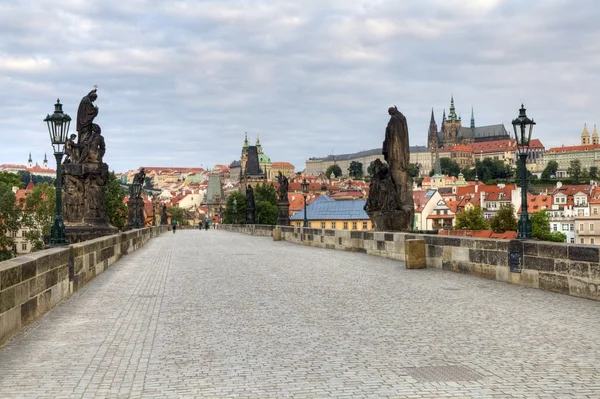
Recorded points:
(218, 314)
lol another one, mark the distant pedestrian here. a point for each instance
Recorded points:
(206, 225)
(174, 225)
(200, 226)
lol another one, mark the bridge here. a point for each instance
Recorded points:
(222, 314)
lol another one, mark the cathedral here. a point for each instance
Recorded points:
(452, 131)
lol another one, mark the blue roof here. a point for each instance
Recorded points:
(326, 208)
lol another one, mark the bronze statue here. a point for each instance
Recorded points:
(390, 203)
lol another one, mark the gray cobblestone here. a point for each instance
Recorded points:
(216, 314)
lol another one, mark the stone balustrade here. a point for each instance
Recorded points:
(570, 269)
(32, 284)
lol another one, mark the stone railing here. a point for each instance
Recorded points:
(32, 284)
(566, 268)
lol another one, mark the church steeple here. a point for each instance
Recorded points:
(245, 147)
(452, 115)
(432, 136)
(585, 135)
(30, 161)
(258, 145)
(595, 138)
(472, 118)
(45, 161)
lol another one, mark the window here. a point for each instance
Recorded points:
(565, 227)
(354, 225)
(592, 241)
(14, 233)
(345, 225)
(572, 227)
(298, 224)
(580, 226)
(15, 248)
(582, 241)
(333, 225)
(24, 247)
(322, 225)
(572, 240)
(591, 226)
(554, 226)
(365, 226)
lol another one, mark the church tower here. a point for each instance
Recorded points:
(30, 162)
(244, 157)
(45, 162)
(595, 138)
(432, 137)
(451, 126)
(585, 136)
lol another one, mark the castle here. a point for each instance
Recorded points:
(453, 132)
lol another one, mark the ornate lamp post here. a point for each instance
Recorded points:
(58, 127)
(304, 186)
(523, 127)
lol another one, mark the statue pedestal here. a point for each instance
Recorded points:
(283, 213)
(77, 234)
(391, 220)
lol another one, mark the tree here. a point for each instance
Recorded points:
(355, 170)
(11, 180)
(550, 170)
(116, 209)
(38, 214)
(335, 169)
(177, 214)
(266, 204)
(10, 215)
(26, 177)
(505, 219)
(448, 166)
(540, 228)
(593, 172)
(413, 170)
(237, 213)
(471, 220)
(575, 171)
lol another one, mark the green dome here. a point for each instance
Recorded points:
(262, 158)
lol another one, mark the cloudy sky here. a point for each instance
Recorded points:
(180, 81)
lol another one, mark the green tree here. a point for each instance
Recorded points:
(26, 177)
(38, 214)
(505, 219)
(593, 172)
(355, 170)
(471, 220)
(540, 228)
(335, 169)
(10, 216)
(177, 214)
(550, 170)
(237, 213)
(413, 170)
(575, 171)
(116, 209)
(11, 180)
(266, 204)
(448, 166)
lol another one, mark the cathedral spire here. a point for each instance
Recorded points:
(30, 160)
(472, 118)
(437, 169)
(432, 135)
(245, 146)
(432, 121)
(452, 114)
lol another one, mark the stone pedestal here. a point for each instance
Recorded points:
(283, 213)
(414, 254)
(391, 220)
(276, 234)
(77, 234)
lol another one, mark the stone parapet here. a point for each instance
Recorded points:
(31, 285)
(565, 268)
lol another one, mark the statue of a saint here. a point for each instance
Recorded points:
(93, 148)
(282, 190)
(395, 152)
(86, 113)
(135, 189)
(249, 197)
(163, 215)
(72, 150)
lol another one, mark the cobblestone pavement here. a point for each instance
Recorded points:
(217, 314)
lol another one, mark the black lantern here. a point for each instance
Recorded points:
(58, 128)
(304, 186)
(523, 126)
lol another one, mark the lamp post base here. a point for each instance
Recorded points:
(524, 227)
(57, 233)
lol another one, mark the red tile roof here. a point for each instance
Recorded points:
(587, 147)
